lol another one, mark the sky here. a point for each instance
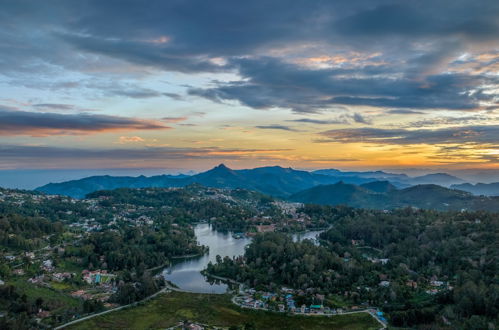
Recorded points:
(185, 85)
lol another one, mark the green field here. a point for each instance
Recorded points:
(56, 299)
(216, 310)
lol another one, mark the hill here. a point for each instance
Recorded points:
(379, 186)
(420, 196)
(399, 180)
(275, 180)
(486, 189)
(340, 194)
(441, 179)
(378, 175)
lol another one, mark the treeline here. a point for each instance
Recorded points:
(136, 286)
(19, 232)
(195, 203)
(273, 259)
(134, 247)
(56, 208)
(421, 267)
(19, 310)
(456, 247)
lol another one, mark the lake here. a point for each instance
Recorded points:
(185, 273)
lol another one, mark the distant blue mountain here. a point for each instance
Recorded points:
(378, 195)
(379, 175)
(486, 189)
(273, 180)
(398, 180)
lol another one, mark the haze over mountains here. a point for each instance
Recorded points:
(377, 189)
(486, 189)
(383, 195)
(274, 180)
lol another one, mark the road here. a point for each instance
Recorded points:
(384, 325)
(165, 289)
(168, 288)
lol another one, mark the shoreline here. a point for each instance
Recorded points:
(225, 279)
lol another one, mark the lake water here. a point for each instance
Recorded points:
(185, 273)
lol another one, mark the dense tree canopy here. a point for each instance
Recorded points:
(438, 267)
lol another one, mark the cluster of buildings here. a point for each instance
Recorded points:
(19, 198)
(102, 283)
(97, 276)
(283, 302)
(44, 279)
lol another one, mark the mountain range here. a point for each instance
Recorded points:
(274, 180)
(375, 189)
(486, 189)
(399, 180)
(384, 195)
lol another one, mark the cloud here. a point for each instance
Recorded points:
(347, 118)
(405, 112)
(453, 135)
(320, 121)
(358, 118)
(446, 121)
(174, 96)
(266, 45)
(174, 119)
(136, 93)
(21, 156)
(270, 82)
(276, 127)
(422, 20)
(130, 139)
(45, 124)
(60, 107)
(54, 106)
(143, 53)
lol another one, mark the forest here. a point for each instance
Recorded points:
(421, 267)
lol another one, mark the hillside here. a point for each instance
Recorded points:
(276, 181)
(398, 180)
(442, 179)
(340, 194)
(486, 189)
(379, 186)
(420, 196)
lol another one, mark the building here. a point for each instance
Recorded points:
(265, 228)
(47, 265)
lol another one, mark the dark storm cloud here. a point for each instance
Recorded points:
(44, 124)
(416, 40)
(464, 134)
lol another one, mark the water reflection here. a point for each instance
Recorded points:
(185, 273)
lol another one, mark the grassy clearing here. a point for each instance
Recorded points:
(51, 296)
(61, 286)
(217, 310)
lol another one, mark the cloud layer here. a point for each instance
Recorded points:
(46, 123)
(302, 55)
(387, 73)
(453, 135)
